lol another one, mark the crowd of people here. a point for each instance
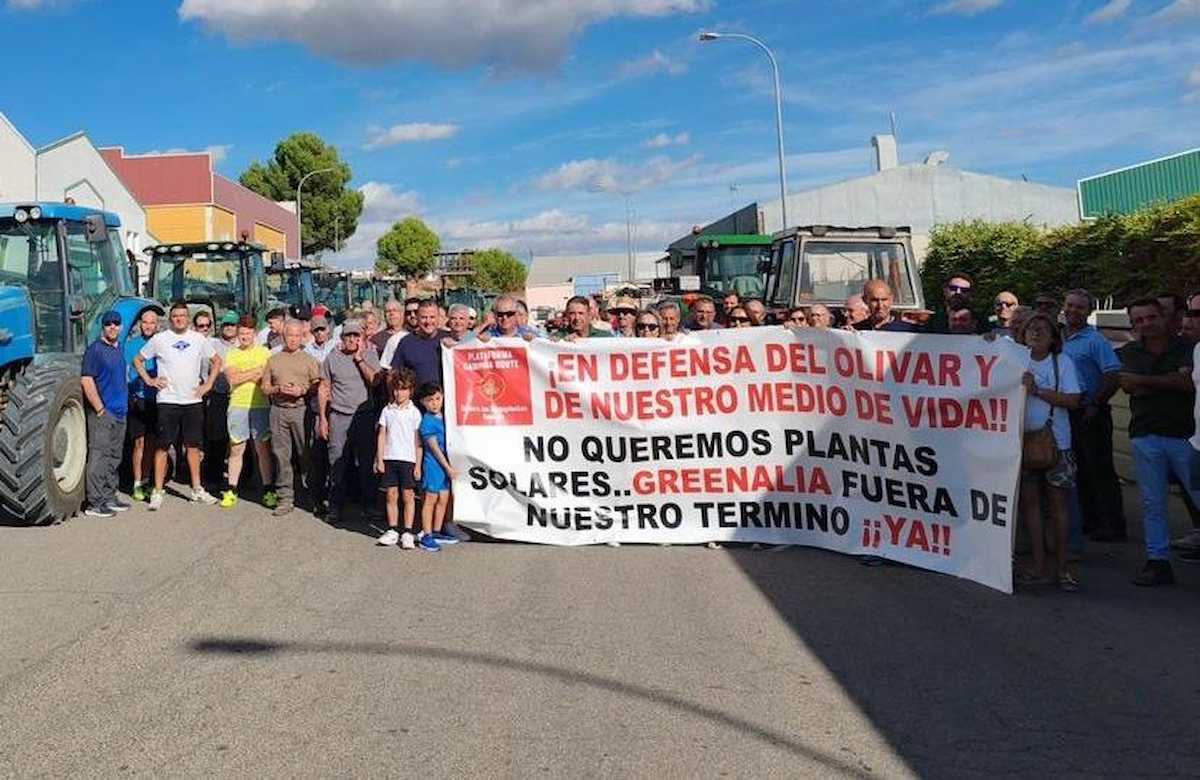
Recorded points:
(354, 411)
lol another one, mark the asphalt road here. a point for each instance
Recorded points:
(195, 641)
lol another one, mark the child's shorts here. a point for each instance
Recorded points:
(397, 473)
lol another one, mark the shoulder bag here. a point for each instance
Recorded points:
(1039, 450)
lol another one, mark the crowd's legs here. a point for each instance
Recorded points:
(1155, 459)
(288, 440)
(106, 439)
(216, 440)
(1099, 487)
(351, 459)
(318, 467)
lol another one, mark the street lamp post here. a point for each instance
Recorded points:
(299, 224)
(712, 36)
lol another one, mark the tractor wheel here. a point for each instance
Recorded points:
(43, 444)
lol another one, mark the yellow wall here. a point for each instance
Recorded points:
(274, 240)
(177, 223)
(224, 224)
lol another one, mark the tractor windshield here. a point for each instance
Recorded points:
(284, 289)
(214, 278)
(331, 291)
(364, 290)
(735, 269)
(834, 270)
(29, 258)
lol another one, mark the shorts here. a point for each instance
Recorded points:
(397, 473)
(181, 422)
(249, 423)
(1061, 475)
(433, 477)
(142, 419)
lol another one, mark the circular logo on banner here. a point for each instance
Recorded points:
(490, 386)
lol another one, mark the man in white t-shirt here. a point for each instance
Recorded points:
(180, 354)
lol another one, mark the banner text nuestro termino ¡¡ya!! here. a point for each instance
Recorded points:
(898, 445)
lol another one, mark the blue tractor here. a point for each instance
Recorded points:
(61, 267)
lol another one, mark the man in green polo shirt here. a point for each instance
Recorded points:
(579, 321)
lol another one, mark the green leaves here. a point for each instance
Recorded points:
(1124, 257)
(329, 207)
(407, 249)
(498, 271)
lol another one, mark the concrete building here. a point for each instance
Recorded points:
(921, 195)
(186, 200)
(69, 168)
(553, 279)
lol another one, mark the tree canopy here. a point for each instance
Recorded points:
(329, 207)
(498, 271)
(407, 249)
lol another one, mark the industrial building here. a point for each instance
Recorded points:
(921, 195)
(70, 168)
(1135, 187)
(553, 279)
(187, 201)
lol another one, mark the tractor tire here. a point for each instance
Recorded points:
(43, 444)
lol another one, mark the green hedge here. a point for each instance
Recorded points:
(1153, 251)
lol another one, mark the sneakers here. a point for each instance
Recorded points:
(156, 499)
(202, 496)
(139, 492)
(282, 509)
(228, 499)
(429, 544)
(270, 499)
(98, 511)
(444, 538)
(117, 505)
(451, 528)
(1189, 541)
(389, 538)
(1155, 574)
(407, 541)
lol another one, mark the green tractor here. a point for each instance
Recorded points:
(332, 290)
(721, 263)
(61, 267)
(216, 276)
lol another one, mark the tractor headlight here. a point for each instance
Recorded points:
(21, 215)
(212, 247)
(35, 212)
(227, 247)
(177, 249)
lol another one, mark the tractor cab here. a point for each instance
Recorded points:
(217, 276)
(290, 285)
(62, 266)
(826, 264)
(362, 289)
(721, 264)
(332, 290)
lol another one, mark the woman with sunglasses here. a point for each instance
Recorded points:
(647, 326)
(738, 318)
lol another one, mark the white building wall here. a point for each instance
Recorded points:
(72, 168)
(18, 165)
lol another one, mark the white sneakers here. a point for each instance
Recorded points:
(202, 496)
(156, 499)
(407, 541)
(389, 538)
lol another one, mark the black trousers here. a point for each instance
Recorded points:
(1099, 487)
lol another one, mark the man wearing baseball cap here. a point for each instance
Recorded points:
(107, 396)
(625, 310)
(346, 419)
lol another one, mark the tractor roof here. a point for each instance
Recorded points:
(188, 247)
(733, 239)
(52, 210)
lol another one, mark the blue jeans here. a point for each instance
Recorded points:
(1155, 458)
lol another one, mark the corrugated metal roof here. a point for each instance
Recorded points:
(1128, 189)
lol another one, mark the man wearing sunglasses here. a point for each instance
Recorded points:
(625, 311)
(508, 321)
(1005, 305)
(412, 311)
(107, 396)
(956, 294)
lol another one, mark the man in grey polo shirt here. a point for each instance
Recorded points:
(347, 418)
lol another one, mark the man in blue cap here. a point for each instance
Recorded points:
(103, 380)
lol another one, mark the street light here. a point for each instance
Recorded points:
(299, 224)
(712, 36)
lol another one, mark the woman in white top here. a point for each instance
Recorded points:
(1053, 389)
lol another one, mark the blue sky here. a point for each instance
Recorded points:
(527, 124)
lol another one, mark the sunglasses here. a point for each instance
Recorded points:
(1004, 304)
(504, 313)
(623, 312)
(111, 323)
(410, 311)
(959, 288)
(647, 326)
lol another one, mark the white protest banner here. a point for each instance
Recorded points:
(898, 445)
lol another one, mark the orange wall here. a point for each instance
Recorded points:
(224, 224)
(272, 239)
(178, 223)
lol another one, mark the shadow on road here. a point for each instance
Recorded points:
(248, 646)
(965, 681)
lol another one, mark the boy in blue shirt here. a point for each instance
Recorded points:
(103, 381)
(436, 472)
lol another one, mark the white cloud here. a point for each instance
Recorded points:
(557, 232)
(663, 140)
(218, 152)
(383, 205)
(652, 63)
(965, 7)
(610, 176)
(383, 137)
(509, 35)
(1177, 11)
(1110, 11)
